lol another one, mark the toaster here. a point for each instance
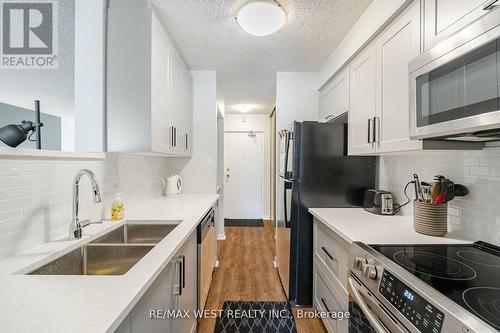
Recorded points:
(378, 202)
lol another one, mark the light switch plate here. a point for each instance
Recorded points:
(210, 161)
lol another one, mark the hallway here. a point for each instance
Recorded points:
(246, 273)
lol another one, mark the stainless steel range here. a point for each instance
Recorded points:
(424, 288)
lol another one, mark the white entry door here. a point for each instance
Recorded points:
(243, 157)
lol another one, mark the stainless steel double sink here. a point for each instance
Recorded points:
(114, 253)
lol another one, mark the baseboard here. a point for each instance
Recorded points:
(221, 237)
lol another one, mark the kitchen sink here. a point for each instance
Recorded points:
(137, 233)
(114, 253)
(95, 259)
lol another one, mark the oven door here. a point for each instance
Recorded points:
(367, 315)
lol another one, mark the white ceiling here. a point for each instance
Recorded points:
(209, 38)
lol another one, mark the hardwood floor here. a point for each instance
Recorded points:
(246, 273)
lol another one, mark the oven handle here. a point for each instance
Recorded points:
(361, 303)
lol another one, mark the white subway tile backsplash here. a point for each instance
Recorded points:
(35, 194)
(477, 215)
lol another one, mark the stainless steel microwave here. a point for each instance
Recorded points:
(455, 87)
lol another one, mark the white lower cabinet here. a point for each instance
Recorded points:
(174, 289)
(328, 299)
(330, 276)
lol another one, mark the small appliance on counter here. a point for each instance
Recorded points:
(378, 202)
(174, 186)
(424, 288)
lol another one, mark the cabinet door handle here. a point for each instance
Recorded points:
(172, 136)
(370, 127)
(328, 254)
(181, 275)
(324, 303)
(175, 136)
(187, 148)
(329, 117)
(183, 263)
(376, 129)
(490, 5)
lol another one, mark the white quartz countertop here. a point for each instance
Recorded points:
(70, 303)
(357, 225)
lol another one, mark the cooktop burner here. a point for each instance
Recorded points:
(487, 301)
(483, 258)
(468, 274)
(434, 265)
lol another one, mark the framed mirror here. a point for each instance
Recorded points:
(53, 52)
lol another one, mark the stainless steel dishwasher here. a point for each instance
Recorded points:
(205, 234)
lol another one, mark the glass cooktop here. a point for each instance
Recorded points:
(467, 274)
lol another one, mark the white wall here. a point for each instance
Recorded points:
(476, 216)
(199, 172)
(296, 97)
(257, 123)
(36, 194)
(373, 20)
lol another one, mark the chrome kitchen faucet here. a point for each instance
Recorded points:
(75, 228)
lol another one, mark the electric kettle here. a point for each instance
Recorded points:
(174, 185)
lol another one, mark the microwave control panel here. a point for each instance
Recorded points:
(423, 315)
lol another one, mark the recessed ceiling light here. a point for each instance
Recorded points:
(243, 108)
(261, 17)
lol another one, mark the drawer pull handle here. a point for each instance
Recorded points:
(324, 303)
(328, 254)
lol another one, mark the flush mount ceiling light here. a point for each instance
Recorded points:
(261, 17)
(243, 108)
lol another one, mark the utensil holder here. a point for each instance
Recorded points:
(430, 219)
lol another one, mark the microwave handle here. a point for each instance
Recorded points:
(369, 315)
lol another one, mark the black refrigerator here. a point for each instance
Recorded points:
(314, 172)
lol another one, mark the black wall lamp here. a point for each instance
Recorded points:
(13, 135)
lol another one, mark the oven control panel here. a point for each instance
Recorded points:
(423, 315)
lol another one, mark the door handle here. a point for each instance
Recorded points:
(376, 129)
(364, 308)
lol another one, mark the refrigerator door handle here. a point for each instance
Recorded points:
(287, 213)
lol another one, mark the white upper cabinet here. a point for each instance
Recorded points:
(395, 48)
(334, 97)
(443, 18)
(379, 94)
(149, 88)
(362, 109)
